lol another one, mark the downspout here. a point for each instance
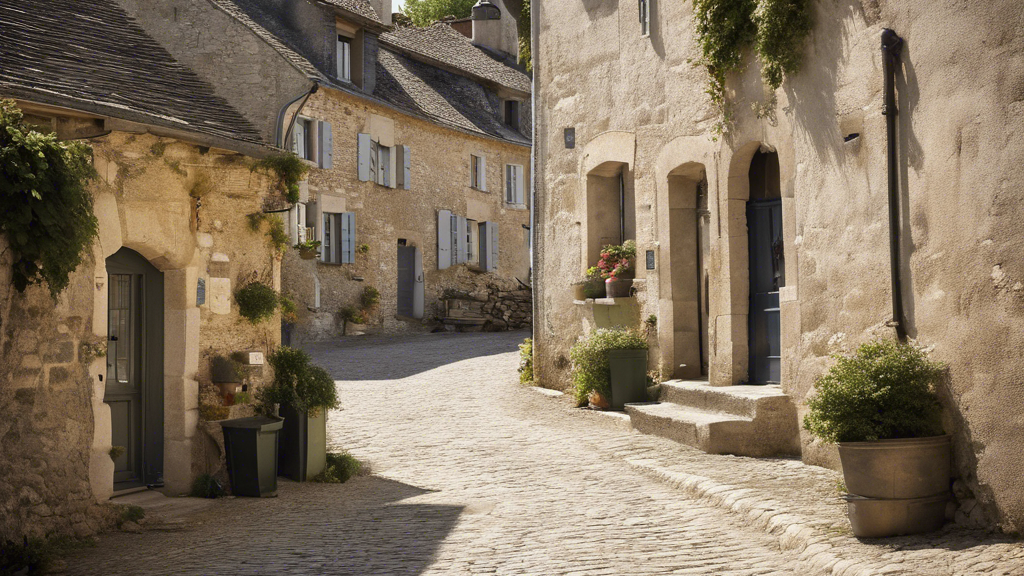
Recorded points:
(536, 218)
(891, 46)
(283, 134)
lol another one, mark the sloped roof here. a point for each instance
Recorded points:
(443, 44)
(294, 58)
(359, 7)
(90, 56)
(439, 95)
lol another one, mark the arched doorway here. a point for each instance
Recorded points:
(767, 267)
(134, 379)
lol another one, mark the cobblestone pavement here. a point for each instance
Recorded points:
(476, 474)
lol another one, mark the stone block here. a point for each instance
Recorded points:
(219, 295)
(60, 352)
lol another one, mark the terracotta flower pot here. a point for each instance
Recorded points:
(618, 287)
(597, 400)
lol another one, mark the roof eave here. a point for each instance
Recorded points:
(420, 57)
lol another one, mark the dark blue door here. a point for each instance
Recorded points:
(767, 273)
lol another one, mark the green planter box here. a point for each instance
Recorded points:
(250, 446)
(628, 376)
(302, 445)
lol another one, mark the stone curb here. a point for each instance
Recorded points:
(795, 532)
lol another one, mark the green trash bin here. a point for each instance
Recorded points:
(628, 375)
(302, 444)
(250, 446)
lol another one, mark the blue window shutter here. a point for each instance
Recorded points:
(348, 238)
(364, 157)
(444, 239)
(520, 185)
(326, 145)
(483, 173)
(489, 246)
(460, 236)
(406, 167)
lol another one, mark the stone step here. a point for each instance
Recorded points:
(712, 432)
(746, 401)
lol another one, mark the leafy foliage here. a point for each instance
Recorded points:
(426, 12)
(350, 314)
(526, 361)
(289, 310)
(883, 390)
(256, 302)
(589, 358)
(298, 383)
(525, 38)
(340, 469)
(782, 26)
(277, 236)
(206, 486)
(370, 298)
(617, 261)
(290, 170)
(45, 207)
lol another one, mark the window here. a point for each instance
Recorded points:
(645, 17)
(338, 245)
(344, 58)
(488, 245)
(478, 172)
(383, 165)
(514, 184)
(472, 240)
(301, 142)
(512, 114)
(375, 163)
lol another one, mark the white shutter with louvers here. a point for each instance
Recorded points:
(444, 239)
(460, 235)
(300, 222)
(348, 238)
(364, 157)
(405, 167)
(493, 246)
(520, 184)
(483, 173)
(293, 224)
(326, 145)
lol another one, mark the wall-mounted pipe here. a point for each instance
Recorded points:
(891, 46)
(283, 129)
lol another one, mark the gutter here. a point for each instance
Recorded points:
(282, 133)
(536, 167)
(891, 47)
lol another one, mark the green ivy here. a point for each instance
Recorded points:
(256, 302)
(277, 236)
(776, 29)
(45, 206)
(290, 170)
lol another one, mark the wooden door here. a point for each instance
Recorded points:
(406, 280)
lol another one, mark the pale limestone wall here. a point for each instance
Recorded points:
(960, 102)
(56, 438)
(440, 180)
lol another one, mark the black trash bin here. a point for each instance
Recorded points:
(250, 446)
(628, 374)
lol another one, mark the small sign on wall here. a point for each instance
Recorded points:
(650, 259)
(201, 292)
(570, 137)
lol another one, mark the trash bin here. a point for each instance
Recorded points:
(628, 375)
(302, 444)
(250, 446)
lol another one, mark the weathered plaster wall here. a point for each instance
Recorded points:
(440, 181)
(960, 103)
(56, 439)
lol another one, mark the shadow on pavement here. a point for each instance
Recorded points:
(357, 528)
(394, 358)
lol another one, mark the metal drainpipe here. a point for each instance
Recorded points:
(891, 46)
(536, 165)
(284, 133)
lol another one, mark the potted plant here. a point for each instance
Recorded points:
(616, 266)
(593, 286)
(309, 249)
(302, 393)
(609, 368)
(879, 405)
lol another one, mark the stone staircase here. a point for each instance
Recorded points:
(743, 420)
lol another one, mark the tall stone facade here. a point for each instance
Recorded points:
(637, 108)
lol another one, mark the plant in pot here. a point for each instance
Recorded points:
(309, 249)
(617, 268)
(609, 368)
(591, 287)
(302, 393)
(879, 405)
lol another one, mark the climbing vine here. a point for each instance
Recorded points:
(289, 169)
(776, 29)
(45, 206)
(277, 236)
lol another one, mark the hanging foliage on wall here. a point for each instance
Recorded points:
(775, 29)
(289, 169)
(45, 206)
(525, 38)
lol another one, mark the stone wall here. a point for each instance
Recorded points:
(491, 309)
(638, 105)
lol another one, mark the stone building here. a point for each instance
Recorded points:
(763, 249)
(118, 358)
(417, 141)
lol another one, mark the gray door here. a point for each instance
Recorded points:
(406, 280)
(767, 273)
(134, 379)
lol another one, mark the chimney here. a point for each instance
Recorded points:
(383, 10)
(491, 27)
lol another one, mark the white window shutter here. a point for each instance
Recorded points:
(348, 238)
(364, 157)
(493, 246)
(293, 224)
(327, 237)
(326, 145)
(460, 236)
(483, 173)
(444, 239)
(406, 167)
(520, 183)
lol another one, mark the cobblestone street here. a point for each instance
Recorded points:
(476, 474)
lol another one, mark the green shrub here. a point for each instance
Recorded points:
(277, 236)
(256, 302)
(369, 298)
(206, 486)
(589, 358)
(128, 513)
(883, 390)
(526, 361)
(298, 383)
(350, 314)
(289, 169)
(289, 310)
(340, 468)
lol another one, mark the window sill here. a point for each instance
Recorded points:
(321, 262)
(606, 301)
(516, 206)
(478, 189)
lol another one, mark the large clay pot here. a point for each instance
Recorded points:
(881, 518)
(900, 468)
(618, 287)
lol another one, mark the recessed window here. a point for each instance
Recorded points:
(339, 240)
(512, 114)
(478, 172)
(645, 17)
(514, 185)
(302, 135)
(344, 58)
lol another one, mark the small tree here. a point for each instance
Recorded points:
(297, 382)
(45, 206)
(426, 12)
